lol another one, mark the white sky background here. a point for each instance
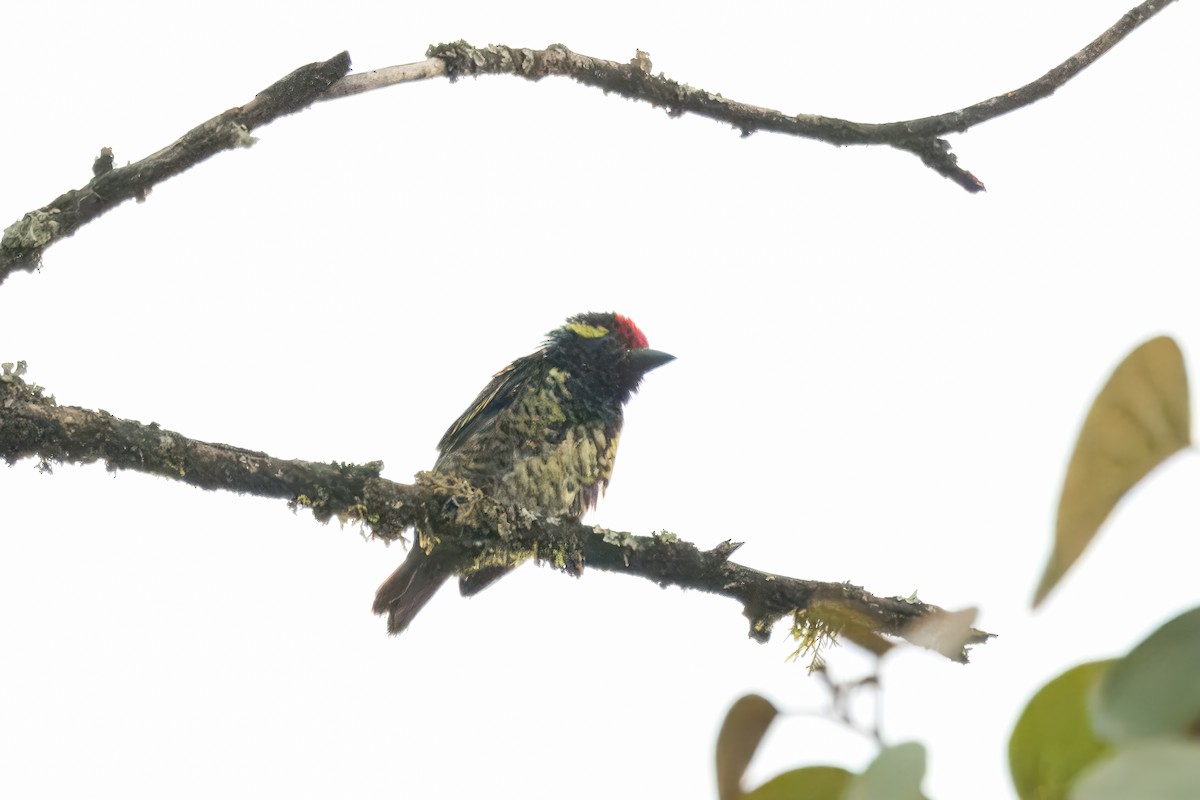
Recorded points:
(880, 378)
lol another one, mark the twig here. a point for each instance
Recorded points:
(25, 241)
(382, 78)
(957, 121)
(33, 425)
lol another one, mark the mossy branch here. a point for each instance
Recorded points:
(25, 240)
(469, 526)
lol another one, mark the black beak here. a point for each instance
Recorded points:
(643, 360)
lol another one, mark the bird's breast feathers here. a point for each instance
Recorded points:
(566, 478)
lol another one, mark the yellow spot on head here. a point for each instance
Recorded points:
(586, 331)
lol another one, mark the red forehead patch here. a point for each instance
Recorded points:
(630, 332)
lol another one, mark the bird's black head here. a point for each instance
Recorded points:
(605, 351)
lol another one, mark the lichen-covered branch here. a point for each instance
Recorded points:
(33, 425)
(471, 527)
(634, 80)
(26, 239)
(918, 136)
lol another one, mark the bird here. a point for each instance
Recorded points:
(541, 436)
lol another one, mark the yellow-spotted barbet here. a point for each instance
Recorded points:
(541, 436)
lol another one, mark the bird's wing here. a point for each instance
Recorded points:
(499, 394)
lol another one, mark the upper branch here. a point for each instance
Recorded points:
(26, 239)
(34, 425)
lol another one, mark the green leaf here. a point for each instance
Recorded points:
(810, 783)
(895, 774)
(1053, 740)
(1140, 417)
(741, 733)
(1155, 690)
(1151, 770)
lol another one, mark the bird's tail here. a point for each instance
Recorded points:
(408, 589)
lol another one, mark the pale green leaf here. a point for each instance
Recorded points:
(1149, 770)
(945, 632)
(1155, 690)
(895, 774)
(1140, 417)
